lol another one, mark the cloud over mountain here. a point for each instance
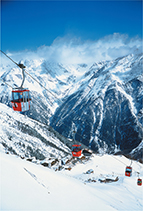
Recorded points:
(73, 50)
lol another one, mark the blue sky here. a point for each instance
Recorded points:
(31, 24)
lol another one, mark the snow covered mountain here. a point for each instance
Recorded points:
(28, 138)
(102, 102)
(32, 140)
(105, 110)
(57, 79)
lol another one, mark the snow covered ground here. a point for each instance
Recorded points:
(28, 186)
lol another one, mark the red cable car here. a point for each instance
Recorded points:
(21, 96)
(139, 182)
(21, 99)
(128, 171)
(76, 150)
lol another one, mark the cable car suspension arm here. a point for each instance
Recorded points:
(19, 65)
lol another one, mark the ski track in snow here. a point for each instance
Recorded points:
(35, 178)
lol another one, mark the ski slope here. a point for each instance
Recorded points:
(28, 186)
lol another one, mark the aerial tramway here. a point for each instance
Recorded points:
(128, 171)
(21, 101)
(76, 150)
(20, 97)
(139, 182)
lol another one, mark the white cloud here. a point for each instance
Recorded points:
(73, 50)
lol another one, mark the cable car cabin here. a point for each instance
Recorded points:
(76, 150)
(21, 100)
(128, 171)
(139, 182)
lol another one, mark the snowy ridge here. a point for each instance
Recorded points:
(27, 138)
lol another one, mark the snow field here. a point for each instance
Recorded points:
(27, 186)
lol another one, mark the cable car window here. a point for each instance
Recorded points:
(24, 96)
(129, 170)
(15, 95)
(76, 149)
(27, 95)
(21, 95)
